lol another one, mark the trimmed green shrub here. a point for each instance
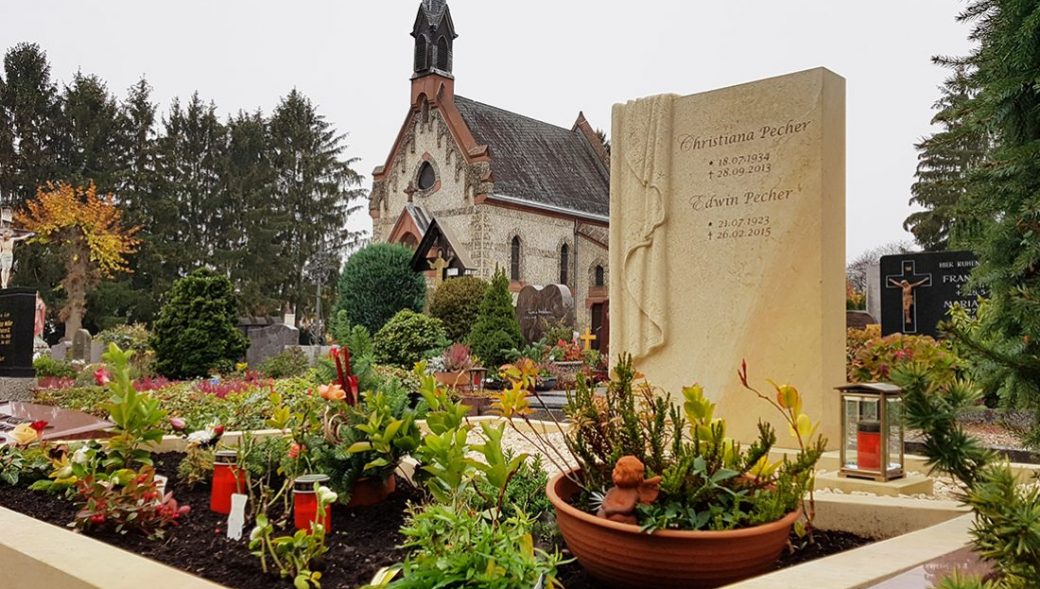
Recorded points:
(496, 330)
(128, 337)
(290, 362)
(456, 303)
(196, 331)
(407, 337)
(339, 326)
(46, 366)
(377, 282)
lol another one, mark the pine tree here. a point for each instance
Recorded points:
(496, 329)
(1004, 196)
(316, 189)
(945, 160)
(88, 142)
(29, 105)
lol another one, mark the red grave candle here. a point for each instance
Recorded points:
(305, 502)
(227, 480)
(868, 445)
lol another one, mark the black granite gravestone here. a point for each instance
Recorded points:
(17, 318)
(918, 290)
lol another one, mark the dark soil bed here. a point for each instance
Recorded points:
(827, 543)
(363, 540)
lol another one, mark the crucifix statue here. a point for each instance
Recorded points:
(908, 296)
(438, 265)
(8, 237)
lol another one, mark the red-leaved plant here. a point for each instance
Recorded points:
(135, 504)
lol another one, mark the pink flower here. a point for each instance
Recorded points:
(101, 376)
(178, 424)
(295, 450)
(39, 426)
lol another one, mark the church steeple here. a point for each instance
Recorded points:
(434, 35)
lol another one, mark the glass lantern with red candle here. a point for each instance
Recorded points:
(872, 431)
(228, 479)
(305, 502)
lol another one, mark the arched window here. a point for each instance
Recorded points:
(409, 241)
(565, 263)
(514, 259)
(427, 177)
(443, 55)
(598, 278)
(421, 59)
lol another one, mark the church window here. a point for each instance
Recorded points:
(598, 278)
(443, 55)
(421, 58)
(427, 176)
(514, 259)
(565, 262)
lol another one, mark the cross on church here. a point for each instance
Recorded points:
(588, 338)
(908, 281)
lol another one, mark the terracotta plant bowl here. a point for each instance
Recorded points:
(369, 491)
(621, 556)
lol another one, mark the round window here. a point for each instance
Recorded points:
(427, 177)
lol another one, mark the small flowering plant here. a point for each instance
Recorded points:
(293, 555)
(457, 357)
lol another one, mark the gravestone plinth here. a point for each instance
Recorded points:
(539, 309)
(62, 424)
(727, 243)
(918, 290)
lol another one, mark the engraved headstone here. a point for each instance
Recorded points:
(918, 290)
(540, 308)
(62, 424)
(727, 242)
(81, 345)
(17, 318)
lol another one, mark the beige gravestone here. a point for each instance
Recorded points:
(727, 242)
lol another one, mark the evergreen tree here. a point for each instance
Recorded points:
(496, 330)
(88, 143)
(315, 189)
(1003, 199)
(377, 282)
(945, 160)
(28, 103)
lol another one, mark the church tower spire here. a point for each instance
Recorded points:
(434, 35)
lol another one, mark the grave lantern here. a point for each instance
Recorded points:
(227, 480)
(305, 502)
(872, 431)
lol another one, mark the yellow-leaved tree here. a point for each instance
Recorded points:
(89, 230)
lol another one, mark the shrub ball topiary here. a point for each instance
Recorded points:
(496, 330)
(377, 282)
(407, 337)
(456, 303)
(196, 331)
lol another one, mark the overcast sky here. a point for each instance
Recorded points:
(547, 59)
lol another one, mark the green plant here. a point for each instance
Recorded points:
(47, 366)
(132, 336)
(197, 466)
(706, 480)
(124, 500)
(138, 418)
(339, 326)
(293, 555)
(407, 338)
(872, 358)
(496, 329)
(377, 282)
(196, 329)
(472, 535)
(456, 303)
(290, 362)
(1006, 531)
(21, 466)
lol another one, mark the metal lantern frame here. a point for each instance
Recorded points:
(883, 393)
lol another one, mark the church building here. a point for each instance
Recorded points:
(471, 187)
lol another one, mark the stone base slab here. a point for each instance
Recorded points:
(913, 484)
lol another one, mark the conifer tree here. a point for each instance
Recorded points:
(28, 103)
(945, 161)
(496, 330)
(1003, 200)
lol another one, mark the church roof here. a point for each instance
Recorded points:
(434, 10)
(538, 163)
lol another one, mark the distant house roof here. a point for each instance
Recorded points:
(538, 163)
